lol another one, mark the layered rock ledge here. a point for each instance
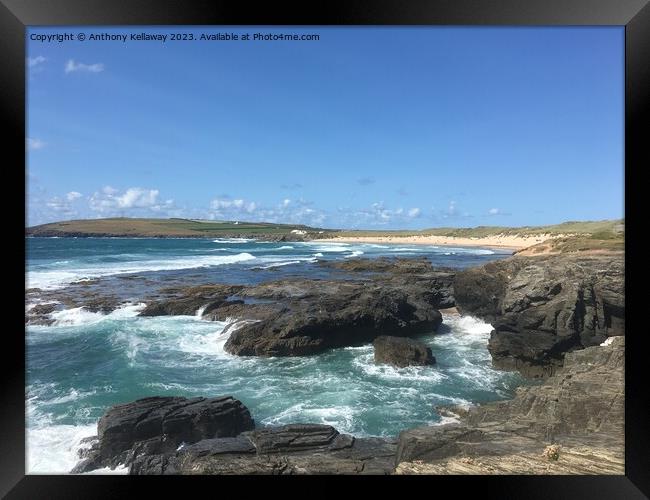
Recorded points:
(579, 411)
(543, 307)
(159, 425)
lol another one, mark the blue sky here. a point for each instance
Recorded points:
(365, 128)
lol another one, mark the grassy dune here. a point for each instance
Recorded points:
(124, 226)
(606, 229)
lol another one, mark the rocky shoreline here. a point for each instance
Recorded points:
(571, 424)
(540, 307)
(550, 316)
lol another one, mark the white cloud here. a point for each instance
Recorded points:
(286, 211)
(137, 197)
(34, 144)
(73, 195)
(35, 61)
(498, 211)
(453, 211)
(60, 206)
(105, 202)
(110, 201)
(221, 205)
(378, 214)
(71, 67)
(56, 203)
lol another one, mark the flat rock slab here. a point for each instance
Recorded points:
(289, 449)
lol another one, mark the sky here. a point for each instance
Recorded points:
(364, 128)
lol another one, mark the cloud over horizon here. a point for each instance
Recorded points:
(35, 61)
(32, 144)
(73, 195)
(134, 200)
(71, 66)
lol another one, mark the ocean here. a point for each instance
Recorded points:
(85, 362)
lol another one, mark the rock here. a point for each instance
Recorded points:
(580, 408)
(385, 265)
(296, 317)
(40, 314)
(102, 304)
(160, 424)
(288, 449)
(188, 300)
(400, 352)
(544, 307)
(318, 316)
(293, 437)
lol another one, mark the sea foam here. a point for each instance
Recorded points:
(53, 279)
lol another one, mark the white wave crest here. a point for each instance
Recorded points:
(280, 264)
(410, 373)
(52, 449)
(206, 343)
(233, 240)
(341, 417)
(50, 279)
(81, 316)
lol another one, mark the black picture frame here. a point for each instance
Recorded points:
(16, 15)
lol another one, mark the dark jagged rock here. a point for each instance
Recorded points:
(289, 449)
(543, 307)
(385, 265)
(319, 316)
(102, 304)
(187, 301)
(400, 352)
(160, 424)
(40, 314)
(580, 408)
(296, 317)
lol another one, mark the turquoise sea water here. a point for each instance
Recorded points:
(85, 362)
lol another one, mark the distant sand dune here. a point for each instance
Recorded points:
(497, 240)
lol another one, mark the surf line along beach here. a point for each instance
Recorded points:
(514, 242)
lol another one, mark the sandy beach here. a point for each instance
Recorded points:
(497, 241)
